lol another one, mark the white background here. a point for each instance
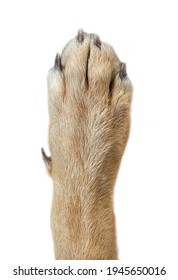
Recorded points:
(144, 34)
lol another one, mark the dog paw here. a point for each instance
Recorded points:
(89, 100)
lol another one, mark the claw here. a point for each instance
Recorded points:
(57, 63)
(46, 159)
(122, 71)
(97, 41)
(80, 36)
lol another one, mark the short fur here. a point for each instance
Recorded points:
(89, 109)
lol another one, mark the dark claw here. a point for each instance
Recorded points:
(80, 36)
(122, 71)
(45, 157)
(97, 41)
(57, 63)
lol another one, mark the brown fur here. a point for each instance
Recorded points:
(89, 109)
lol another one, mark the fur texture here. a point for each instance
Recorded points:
(89, 109)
